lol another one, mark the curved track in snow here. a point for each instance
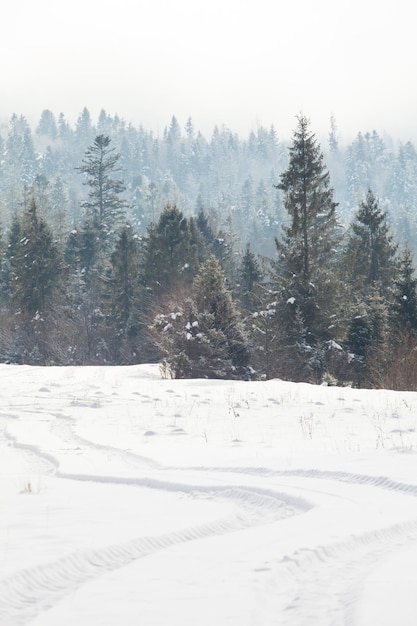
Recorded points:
(297, 541)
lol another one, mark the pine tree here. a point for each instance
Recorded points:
(47, 125)
(124, 301)
(87, 289)
(359, 335)
(205, 227)
(402, 370)
(368, 340)
(124, 278)
(59, 209)
(9, 260)
(405, 295)
(249, 274)
(37, 264)
(370, 252)
(305, 272)
(213, 298)
(376, 359)
(84, 130)
(105, 206)
(203, 336)
(20, 163)
(83, 252)
(170, 258)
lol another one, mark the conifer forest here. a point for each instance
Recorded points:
(223, 257)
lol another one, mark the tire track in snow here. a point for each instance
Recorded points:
(319, 586)
(263, 498)
(28, 592)
(32, 591)
(307, 574)
(133, 457)
(382, 482)
(341, 476)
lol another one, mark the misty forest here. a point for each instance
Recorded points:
(225, 257)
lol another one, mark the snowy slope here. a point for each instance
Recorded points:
(127, 499)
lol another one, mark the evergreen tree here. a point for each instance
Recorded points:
(368, 340)
(205, 227)
(124, 278)
(89, 279)
(47, 125)
(204, 336)
(59, 210)
(84, 130)
(9, 259)
(333, 142)
(198, 242)
(376, 359)
(244, 213)
(359, 335)
(249, 274)
(20, 163)
(170, 258)
(265, 332)
(105, 205)
(305, 272)
(405, 295)
(64, 130)
(370, 254)
(37, 264)
(151, 202)
(213, 298)
(125, 301)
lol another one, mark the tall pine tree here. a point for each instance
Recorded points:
(105, 205)
(305, 272)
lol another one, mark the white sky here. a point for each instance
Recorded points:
(236, 62)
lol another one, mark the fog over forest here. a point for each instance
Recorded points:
(222, 257)
(231, 176)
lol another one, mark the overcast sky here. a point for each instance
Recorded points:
(241, 63)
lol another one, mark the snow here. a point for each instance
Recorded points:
(126, 498)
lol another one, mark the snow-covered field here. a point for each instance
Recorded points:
(126, 499)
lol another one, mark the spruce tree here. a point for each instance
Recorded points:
(370, 253)
(203, 336)
(305, 272)
(37, 264)
(170, 258)
(249, 274)
(368, 340)
(405, 295)
(9, 260)
(376, 359)
(47, 125)
(124, 301)
(36, 289)
(105, 205)
(212, 298)
(124, 276)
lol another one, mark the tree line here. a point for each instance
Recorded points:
(231, 176)
(332, 304)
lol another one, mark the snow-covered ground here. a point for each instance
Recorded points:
(126, 499)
